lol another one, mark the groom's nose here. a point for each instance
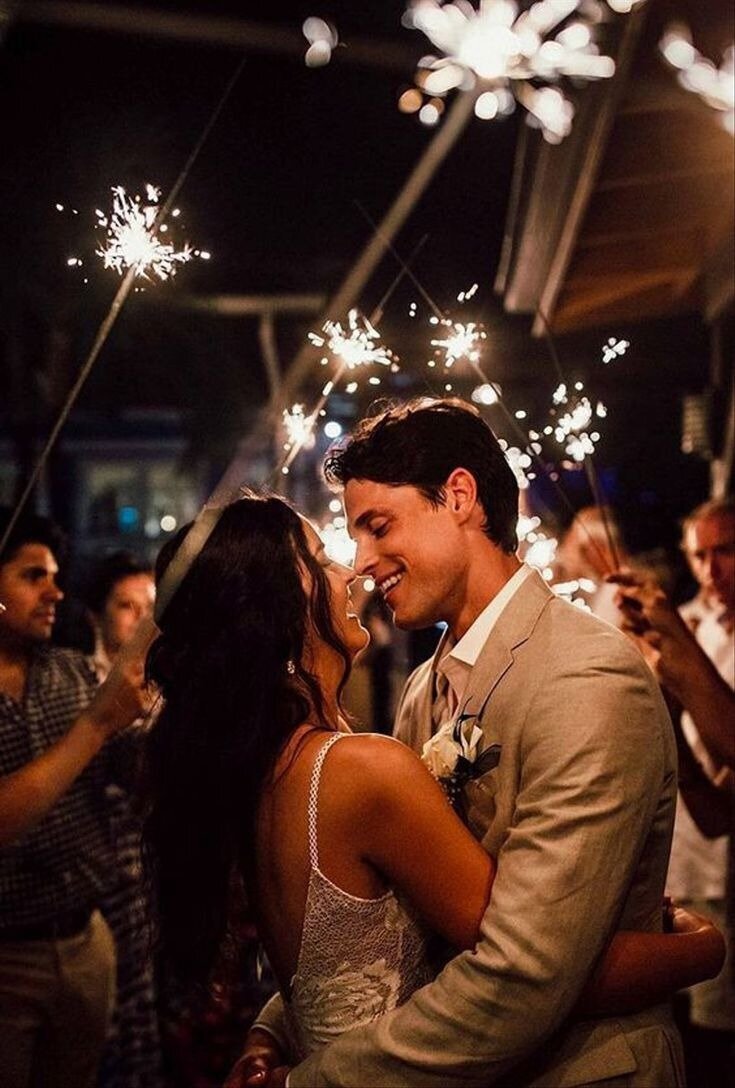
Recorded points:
(365, 558)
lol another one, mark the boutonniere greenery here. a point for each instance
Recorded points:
(454, 758)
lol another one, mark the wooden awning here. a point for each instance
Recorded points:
(632, 216)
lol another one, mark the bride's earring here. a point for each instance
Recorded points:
(290, 667)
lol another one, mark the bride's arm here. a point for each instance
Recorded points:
(402, 825)
(642, 969)
(409, 832)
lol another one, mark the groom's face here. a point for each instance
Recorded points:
(411, 549)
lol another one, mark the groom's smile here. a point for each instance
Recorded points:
(408, 545)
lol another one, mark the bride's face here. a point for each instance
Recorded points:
(339, 579)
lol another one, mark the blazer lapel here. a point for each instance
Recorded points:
(512, 629)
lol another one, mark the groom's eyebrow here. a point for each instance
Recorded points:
(361, 521)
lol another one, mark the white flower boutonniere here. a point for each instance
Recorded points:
(451, 755)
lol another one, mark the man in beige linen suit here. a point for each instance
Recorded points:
(577, 797)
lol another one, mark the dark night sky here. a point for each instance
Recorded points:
(273, 197)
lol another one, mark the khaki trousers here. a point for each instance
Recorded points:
(56, 999)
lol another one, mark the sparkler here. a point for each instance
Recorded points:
(299, 428)
(463, 341)
(322, 38)
(356, 346)
(613, 349)
(572, 429)
(504, 54)
(132, 240)
(338, 544)
(106, 326)
(716, 86)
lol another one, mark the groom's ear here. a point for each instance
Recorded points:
(460, 490)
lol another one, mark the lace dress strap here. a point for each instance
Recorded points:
(314, 798)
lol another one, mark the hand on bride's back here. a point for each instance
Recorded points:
(260, 1064)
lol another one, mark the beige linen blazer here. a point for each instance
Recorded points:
(578, 813)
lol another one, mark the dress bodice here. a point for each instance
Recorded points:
(359, 958)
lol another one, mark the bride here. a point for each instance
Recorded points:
(341, 846)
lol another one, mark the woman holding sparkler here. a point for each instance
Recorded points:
(259, 795)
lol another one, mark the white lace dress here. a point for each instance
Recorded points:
(359, 958)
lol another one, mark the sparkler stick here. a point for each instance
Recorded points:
(116, 306)
(594, 482)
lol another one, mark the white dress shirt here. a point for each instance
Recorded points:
(460, 657)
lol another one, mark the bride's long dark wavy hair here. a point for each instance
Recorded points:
(231, 700)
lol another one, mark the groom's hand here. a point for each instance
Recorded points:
(261, 1064)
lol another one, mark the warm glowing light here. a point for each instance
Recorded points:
(485, 394)
(357, 345)
(410, 101)
(322, 38)
(513, 51)
(299, 427)
(623, 7)
(338, 544)
(131, 240)
(571, 431)
(613, 349)
(519, 461)
(463, 341)
(715, 86)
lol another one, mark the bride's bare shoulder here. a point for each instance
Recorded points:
(377, 764)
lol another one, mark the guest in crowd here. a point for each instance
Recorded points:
(120, 594)
(592, 547)
(698, 872)
(57, 955)
(680, 660)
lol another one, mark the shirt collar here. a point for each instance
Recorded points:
(467, 650)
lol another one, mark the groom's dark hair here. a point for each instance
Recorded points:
(420, 443)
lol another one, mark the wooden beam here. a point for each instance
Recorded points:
(596, 143)
(677, 249)
(656, 301)
(719, 279)
(626, 212)
(598, 294)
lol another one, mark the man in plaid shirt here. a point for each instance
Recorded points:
(57, 956)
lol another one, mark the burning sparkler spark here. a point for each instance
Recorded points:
(572, 429)
(716, 86)
(299, 428)
(463, 341)
(131, 241)
(613, 349)
(507, 52)
(338, 544)
(486, 394)
(356, 346)
(322, 38)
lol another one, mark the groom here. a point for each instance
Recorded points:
(573, 790)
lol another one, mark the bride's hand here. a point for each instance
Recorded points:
(260, 1065)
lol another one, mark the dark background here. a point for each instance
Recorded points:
(274, 196)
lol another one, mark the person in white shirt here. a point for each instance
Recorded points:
(699, 868)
